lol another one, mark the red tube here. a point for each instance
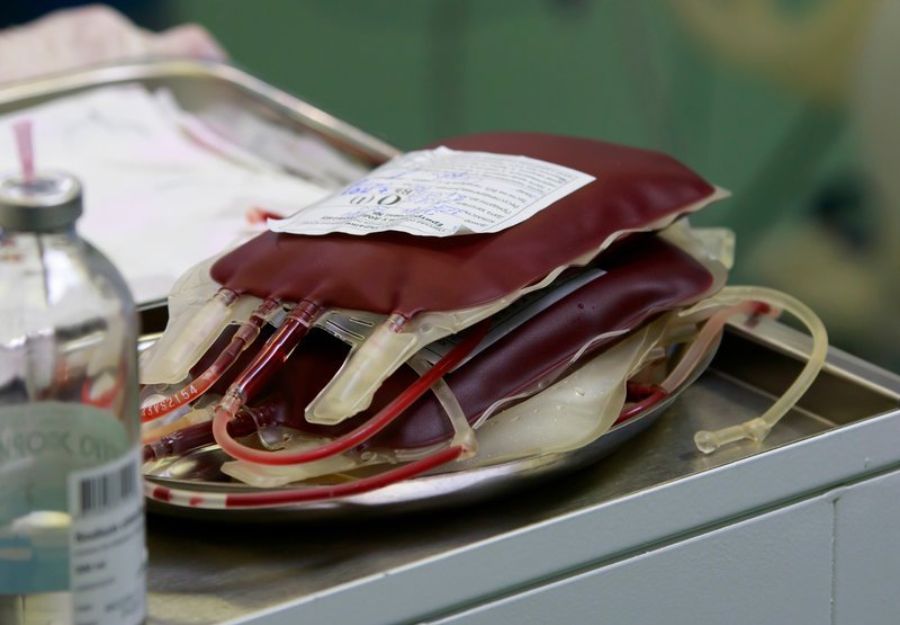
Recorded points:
(355, 487)
(107, 397)
(214, 500)
(656, 395)
(242, 339)
(385, 416)
(25, 149)
(276, 350)
(193, 437)
(185, 439)
(194, 390)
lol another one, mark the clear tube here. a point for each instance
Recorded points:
(201, 415)
(656, 395)
(188, 338)
(271, 476)
(758, 428)
(353, 387)
(280, 497)
(245, 335)
(377, 423)
(463, 434)
(709, 334)
(277, 349)
(187, 439)
(268, 476)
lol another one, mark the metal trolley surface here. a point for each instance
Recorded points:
(656, 532)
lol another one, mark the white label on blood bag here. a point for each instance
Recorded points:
(108, 558)
(439, 192)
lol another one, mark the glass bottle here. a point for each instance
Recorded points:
(72, 546)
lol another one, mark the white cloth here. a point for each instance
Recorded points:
(73, 38)
(156, 200)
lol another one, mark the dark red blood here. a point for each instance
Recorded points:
(640, 406)
(240, 364)
(161, 493)
(645, 277)
(396, 272)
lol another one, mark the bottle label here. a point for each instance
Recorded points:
(107, 553)
(41, 443)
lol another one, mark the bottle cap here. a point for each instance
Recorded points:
(49, 201)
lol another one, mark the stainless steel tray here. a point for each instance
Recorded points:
(358, 570)
(196, 85)
(211, 92)
(443, 489)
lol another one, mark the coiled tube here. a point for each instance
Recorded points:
(758, 428)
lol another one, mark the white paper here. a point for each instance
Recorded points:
(440, 192)
(157, 199)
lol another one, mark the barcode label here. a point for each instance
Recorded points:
(106, 543)
(104, 488)
(97, 494)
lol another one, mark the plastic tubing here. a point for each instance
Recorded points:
(192, 437)
(204, 499)
(463, 433)
(189, 337)
(758, 428)
(276, 350)
(191, 418)
(105, 398)
(653, 396)
(242, 339)
(708, 335)
(699, 347)
(25, 149)
(354, 385)
(382, 419)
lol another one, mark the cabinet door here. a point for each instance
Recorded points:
(867, 553)
(775, 568)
